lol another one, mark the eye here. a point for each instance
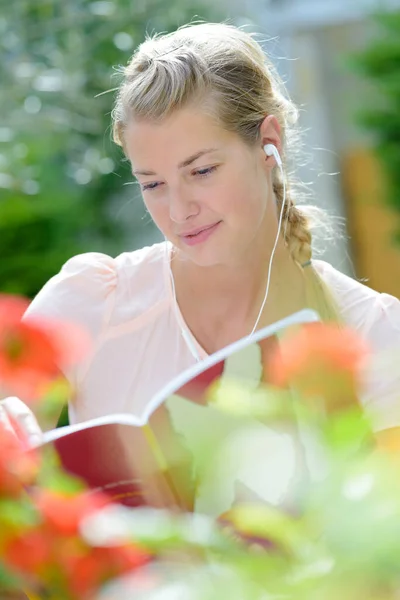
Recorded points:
(150, 186)
(206, 171)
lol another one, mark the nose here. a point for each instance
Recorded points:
(182, 206)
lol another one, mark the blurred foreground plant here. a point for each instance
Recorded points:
(337, 535)
(41, 508)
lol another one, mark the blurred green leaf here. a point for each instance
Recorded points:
(16, 513)
(285, 532)
(347, 432)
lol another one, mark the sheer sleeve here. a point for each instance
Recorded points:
(82, 293)
(382, 396)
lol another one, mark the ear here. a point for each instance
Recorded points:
(270, 133)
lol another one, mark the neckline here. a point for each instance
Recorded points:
(175, 304)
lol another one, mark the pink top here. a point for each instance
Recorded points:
(127, 304)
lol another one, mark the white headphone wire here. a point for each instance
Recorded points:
(272, 254)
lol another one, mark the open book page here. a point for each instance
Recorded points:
(151, 460)
(230, 362)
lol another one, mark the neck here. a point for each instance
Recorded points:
(224, 293)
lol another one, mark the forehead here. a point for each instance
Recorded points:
(179, 135)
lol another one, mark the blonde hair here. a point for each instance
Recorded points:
(225, 71)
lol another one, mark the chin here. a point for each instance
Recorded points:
(206, 257)
(211, 262)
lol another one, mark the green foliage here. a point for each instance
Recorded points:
(62, 181)
(380, 63)
(340, 539)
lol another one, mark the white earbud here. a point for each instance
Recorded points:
(271, 150)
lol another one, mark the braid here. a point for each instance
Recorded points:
(295, 227)
(298, 234)
(298, 238)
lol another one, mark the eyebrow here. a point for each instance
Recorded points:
(185, 163)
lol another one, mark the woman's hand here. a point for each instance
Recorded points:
(18, 418)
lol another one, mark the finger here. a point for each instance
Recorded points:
(5, 421)
(18, 412)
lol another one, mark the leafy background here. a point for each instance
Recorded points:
(64, 187)
(379, 63)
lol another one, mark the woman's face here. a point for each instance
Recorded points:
(207, 191)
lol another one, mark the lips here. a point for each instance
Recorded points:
(194, 232)
(196, 237)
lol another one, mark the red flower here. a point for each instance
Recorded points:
(321, 360)
(88, 573)
(83, 573)
(32, 351)
(53, 555)
(29, 552)
(17, 467)
(63, 512)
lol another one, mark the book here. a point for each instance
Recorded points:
(147, 460)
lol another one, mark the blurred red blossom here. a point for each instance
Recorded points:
(54, 554)
(62, 512)
(322, 360)
(34, 350)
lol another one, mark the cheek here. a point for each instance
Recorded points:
(245, 200)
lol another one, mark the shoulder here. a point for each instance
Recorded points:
(91, 287)
(142, 266)
(374, 315)
(141, 283)
(79, 291)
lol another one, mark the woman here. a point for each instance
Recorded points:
(203, 120)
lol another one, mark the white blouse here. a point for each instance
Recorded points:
(127, 304)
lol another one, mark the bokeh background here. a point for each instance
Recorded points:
(65, 188)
